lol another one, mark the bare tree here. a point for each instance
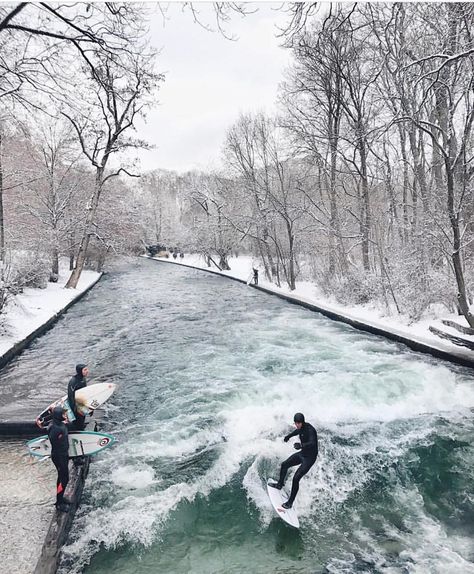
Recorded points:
(2, 227)
(313, 97)
(36, 40)
(210, 207)
(39, 48)
(373, 79)
(53, 198)
(119, 91)
(446, 78)
(82, 24)
(259, 156)
(159, 197)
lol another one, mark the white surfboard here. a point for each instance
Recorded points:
(277, 498)
(81, 443)
(87, 399)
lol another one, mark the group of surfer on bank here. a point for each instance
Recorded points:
(58, 434)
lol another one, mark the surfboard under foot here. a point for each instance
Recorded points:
(277, 498)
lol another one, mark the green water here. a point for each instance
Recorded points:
(210, 374)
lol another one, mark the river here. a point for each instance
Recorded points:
(210, 373)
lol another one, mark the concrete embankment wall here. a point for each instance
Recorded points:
(16, 429)
(61, 522)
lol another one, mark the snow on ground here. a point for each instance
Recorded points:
(32, 308)
(241, 267)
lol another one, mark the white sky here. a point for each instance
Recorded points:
(209, 81)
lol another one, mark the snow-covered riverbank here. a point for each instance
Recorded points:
(34, 307)
(307, 292)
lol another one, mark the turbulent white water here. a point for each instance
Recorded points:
(210, 375)
(202, 429)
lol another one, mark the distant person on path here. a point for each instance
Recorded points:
(308, 448)
(175, 254)
(181, 255)
(255, 276)
(59, 439)
(78, 381)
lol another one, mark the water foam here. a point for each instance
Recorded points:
(233, 401)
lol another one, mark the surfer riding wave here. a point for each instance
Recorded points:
(306, 457)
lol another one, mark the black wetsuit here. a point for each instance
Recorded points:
(77, 382)
(255, 276)
(58, 437)
(306, 457)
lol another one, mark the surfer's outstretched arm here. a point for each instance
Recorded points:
(291, 435)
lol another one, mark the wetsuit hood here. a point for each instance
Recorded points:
(58, 414)
(299, 418)
(79, 368)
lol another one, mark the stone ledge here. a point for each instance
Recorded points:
(62, 521)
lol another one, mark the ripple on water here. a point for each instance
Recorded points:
(210, 374)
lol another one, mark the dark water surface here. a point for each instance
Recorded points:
(210, 373)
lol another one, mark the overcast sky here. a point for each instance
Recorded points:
(209, 81)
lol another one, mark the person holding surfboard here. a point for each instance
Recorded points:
(78, 381)
(58, 437)
(306, 457)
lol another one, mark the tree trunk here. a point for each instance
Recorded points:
(53, 277)
(2, 226)
(268, 273)
(271, 262)
(71, 250)
(463, 299)
(291, 262)
(223, 263)
(101, 259)
(54, 265)
(419, 173)
(366, 219)
(402, 133)
(82, 253)
(332, 196)
(393, 212)
(335, 235)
